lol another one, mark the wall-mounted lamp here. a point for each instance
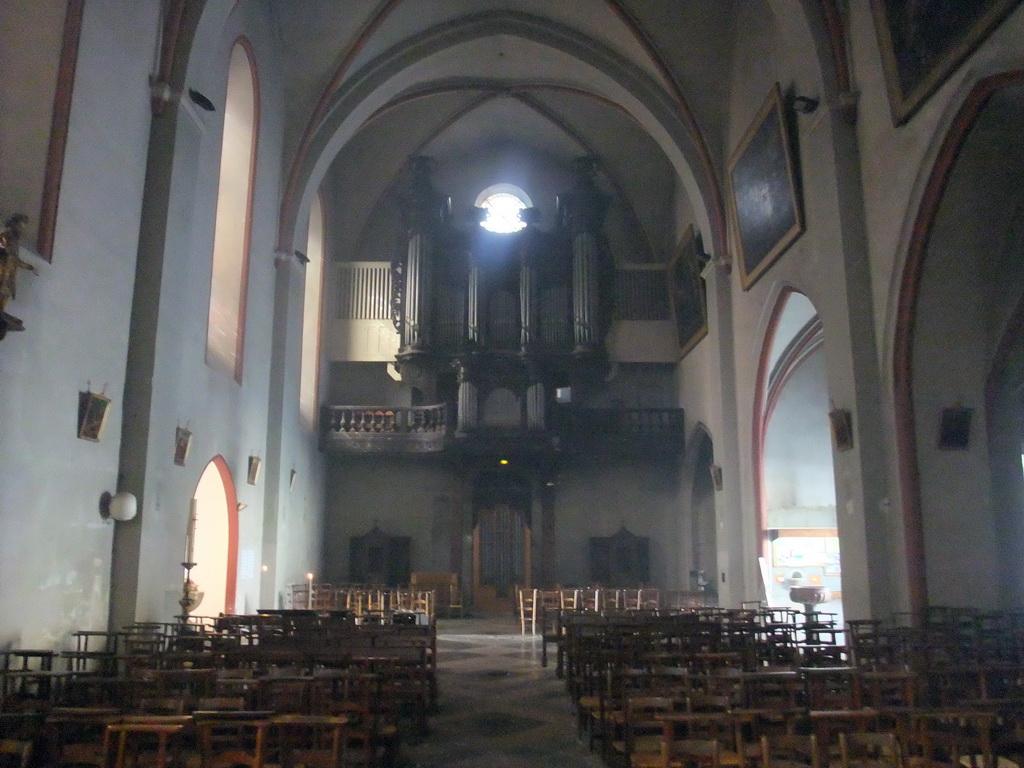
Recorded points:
(241, 505)
(121, 506)
(805, 105)
(201, 101)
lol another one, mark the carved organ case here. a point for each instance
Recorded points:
(498, 321)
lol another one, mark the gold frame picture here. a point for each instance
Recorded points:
(182, 445)
(922, 43)
(92, 415)
(764, 198)
(253, 475)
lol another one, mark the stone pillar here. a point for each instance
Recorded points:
(581, 213)
(468, 402)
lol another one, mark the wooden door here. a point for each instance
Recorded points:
(501, 557)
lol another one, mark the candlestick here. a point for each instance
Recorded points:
(190, 532)
(309, 592)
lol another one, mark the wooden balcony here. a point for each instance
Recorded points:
(620, 430)
(384, 429)
(361, 429)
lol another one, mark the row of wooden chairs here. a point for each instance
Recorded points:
(90, 714)
(361, 600)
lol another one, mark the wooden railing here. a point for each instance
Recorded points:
(645, 429)
(424, 429)
(372, 428)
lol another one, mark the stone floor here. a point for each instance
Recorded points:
(498, 707)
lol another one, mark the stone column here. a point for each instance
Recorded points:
(468, 402)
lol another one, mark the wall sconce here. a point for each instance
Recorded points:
(201, 101)
(121, 506)
(241, 505)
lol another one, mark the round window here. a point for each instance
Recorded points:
(503, 202)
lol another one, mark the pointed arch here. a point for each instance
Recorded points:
(218, 499)
(903, 343)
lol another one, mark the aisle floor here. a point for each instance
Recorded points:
(498, 708)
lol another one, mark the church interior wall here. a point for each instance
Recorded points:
(76, 316)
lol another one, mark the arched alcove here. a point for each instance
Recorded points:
(956, 356)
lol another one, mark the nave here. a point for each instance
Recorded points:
(498, 707)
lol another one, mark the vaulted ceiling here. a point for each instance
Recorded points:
(507, 91)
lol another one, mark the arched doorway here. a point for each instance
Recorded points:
(502, 540)
(796, 474)
(216, 539)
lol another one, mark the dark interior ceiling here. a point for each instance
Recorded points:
(505, 91)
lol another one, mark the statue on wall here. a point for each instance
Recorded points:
(10, 263)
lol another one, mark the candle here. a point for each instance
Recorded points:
(309, 592)
(190, 532)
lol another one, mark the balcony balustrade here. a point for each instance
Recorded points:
(373, 429)
(426, 429)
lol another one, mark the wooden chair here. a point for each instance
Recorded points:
(640, 745)
(15, 752)
(870, 750)
(159, 737)
(313, 741)
(454, 608)
(788, 750)
(528, 610)
(229, 741)
(691, 753)
(76, 734)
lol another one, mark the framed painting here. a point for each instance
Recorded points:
(687, 292)
(92, 415)
(955, 428)
(253, 475)
(922, 43)
(764, 195)
(182, 445)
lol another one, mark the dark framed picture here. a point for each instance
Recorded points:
(841, 422)
(764, 195)
(253, 476)
(687, 293)
(922, 43)
(955, 428)
(182, 445)
(92, 415)
(716, 476)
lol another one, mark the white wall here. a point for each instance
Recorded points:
(55, 551)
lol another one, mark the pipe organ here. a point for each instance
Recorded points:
(497, 322)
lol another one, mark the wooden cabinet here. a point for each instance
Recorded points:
(380, 559)
(622, 560)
